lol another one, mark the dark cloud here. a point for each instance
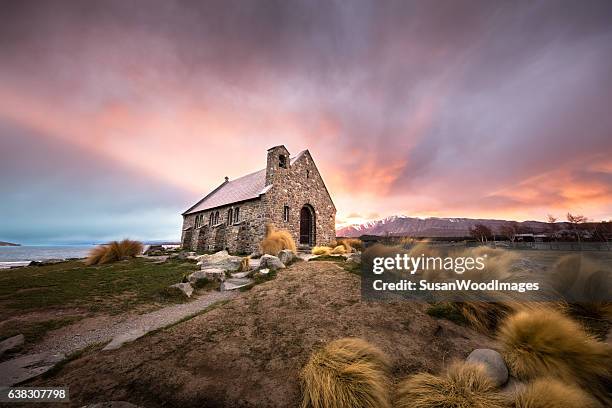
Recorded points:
(453, 101)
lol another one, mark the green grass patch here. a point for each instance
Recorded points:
(446, 311)
(111, 288)
(33, 331)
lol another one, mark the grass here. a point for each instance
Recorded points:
(33, 331)
(351, 267)
(545, 343)
(347, 372)
(110, 288)
(114, 251)
(548, 392)
(276, 240)
(463, 385)
(447, 311)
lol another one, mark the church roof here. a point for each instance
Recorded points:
(244, 188)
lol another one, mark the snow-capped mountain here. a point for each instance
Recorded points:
(430, 227)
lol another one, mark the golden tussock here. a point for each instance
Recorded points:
(463, 385)
(552, 393)
(542, 342)
(244, 264)
(114, 251)
(340, 249)
(345, 373)
(351, 244)
(276, 240)
(321, 250)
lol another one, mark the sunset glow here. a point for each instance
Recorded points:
(118, 109)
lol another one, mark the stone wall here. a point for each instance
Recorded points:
(296, 186)
(241, 237)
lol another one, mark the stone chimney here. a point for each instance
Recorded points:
(278, 162)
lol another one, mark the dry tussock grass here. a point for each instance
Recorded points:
(114, 251)
(552, 393)
(543, 342)
(463, 385)
(276, 240)
(321, 250)
(338, 250)
(346, 373)
(244, 264)
(351, 244)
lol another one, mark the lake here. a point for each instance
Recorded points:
(22, 255)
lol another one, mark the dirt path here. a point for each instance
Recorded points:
(103, 329)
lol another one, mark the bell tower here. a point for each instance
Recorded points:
(277, 163)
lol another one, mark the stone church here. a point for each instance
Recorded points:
(289, 194)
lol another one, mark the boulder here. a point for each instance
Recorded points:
(220, 260)
(11, 343)
(493, 363)
(354, 257)
(211, 274)
(235, 283)
(270, 261)
(23, 368)
(154, 250)
(286, 256)
(186, 288)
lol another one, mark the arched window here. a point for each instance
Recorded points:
(230, 217)
(286, 213)
(211, 221)
(216, 217)
(236, 214)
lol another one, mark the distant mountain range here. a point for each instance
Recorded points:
(400, 225)
(2, 243)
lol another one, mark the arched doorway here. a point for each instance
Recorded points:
(307, 225)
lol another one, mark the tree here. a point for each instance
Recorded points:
(510, 229)
(575, 220)
(481, 232)
(552, 224)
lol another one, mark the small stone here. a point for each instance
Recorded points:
(493, 363)
(11, 343)
(271, 262)
(286, 256)
(186, 288)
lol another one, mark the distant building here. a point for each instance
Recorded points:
(289, 194)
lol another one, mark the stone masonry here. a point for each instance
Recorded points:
(293, 198)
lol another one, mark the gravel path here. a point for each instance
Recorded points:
(123, 328)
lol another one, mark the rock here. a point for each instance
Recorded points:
(11, 343)
(186, 288)
(286, 256)
(493, 362)
(220, 260)
(23, 368)
(354, 257)
(271, 262)
(254, 263)
(235, 283)
(121, 339)
(211, 274)
(154, 250)
(241, 274)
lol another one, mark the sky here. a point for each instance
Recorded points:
(116, 116)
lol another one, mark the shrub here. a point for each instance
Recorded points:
(552, 393)
(346, 373)
(463, 385)
(276, 240)
(244, 264)
(350, 244)
(340, 249)
(543, 342)
(321, 250)
(114, 251)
